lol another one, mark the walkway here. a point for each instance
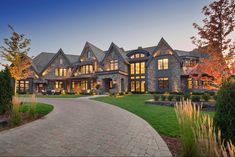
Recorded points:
(83, 127)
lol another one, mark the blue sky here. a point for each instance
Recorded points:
(68, 24)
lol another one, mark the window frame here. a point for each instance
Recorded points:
(163, 64)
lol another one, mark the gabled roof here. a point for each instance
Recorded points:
(119, 50)
(160, 43)
(99, 54)
(41, 60)
(44, 59)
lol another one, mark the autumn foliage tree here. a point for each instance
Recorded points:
(15, 51)
(214, 39)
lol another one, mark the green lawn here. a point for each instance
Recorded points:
(40, 108)
(161, 118)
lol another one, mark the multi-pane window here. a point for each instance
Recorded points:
(58, 84)
(60, 72)
(137, 85)
(114, 64)
(137, 55)
(137, 68)
(190, 83)
(137, 76)
(163, 83)
(84, 85)
(86, 69)
(22, 86)
(163, 64)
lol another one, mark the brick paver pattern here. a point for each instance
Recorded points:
(83, 127)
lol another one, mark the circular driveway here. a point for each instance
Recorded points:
(83, 127)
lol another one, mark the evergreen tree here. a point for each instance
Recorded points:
(225, 111)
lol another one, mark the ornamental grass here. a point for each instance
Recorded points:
(198, 134)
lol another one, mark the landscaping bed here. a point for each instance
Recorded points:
(205, 106)
(41, 110)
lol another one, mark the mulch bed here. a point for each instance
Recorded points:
(173, 144)
(25, 119)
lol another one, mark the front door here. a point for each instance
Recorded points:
(40, 87)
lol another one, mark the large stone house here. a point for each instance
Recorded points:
(151, 69)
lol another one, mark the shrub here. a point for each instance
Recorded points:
(178, 98)
(196, 93)
(156, 97)
(198, 135)
(63, 92)
(206, 96)
(225, 110)
(15, 117)
(163, 97)
(6, 91)
(77, 93)
(196, 98)
(170, 97)
(187, 96)
(215, 97)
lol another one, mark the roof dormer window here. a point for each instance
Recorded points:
(137, 55)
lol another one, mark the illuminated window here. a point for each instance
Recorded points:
(142, 67)
(195, 84)
(114, 64)
(58, 84)
(137, 68)
(22, 86)
(110, 84)
(56, 72)
(86, 69)
(163, 64)
(132, 86)
(137, 55)
(84, 85)
(132, 68)
(190, 83)
(163, 83)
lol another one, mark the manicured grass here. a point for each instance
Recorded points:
(161, 118)
(40, 108)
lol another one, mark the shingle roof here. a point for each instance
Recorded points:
(182, 54)
(41, 60)
(148, 49)
(97, 52)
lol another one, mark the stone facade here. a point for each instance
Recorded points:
(100, 77)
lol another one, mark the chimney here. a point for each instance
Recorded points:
(139, 47)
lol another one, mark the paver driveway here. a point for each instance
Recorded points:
(83, 127)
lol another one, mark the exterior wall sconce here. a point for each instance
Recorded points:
(114, 81)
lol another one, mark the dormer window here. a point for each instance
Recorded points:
(137, 55)
(88, 54)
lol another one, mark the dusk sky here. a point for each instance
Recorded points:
(68, 24)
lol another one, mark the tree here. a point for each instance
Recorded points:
(15, 51)
(225, 111)
(218, 25)
(6, 90)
